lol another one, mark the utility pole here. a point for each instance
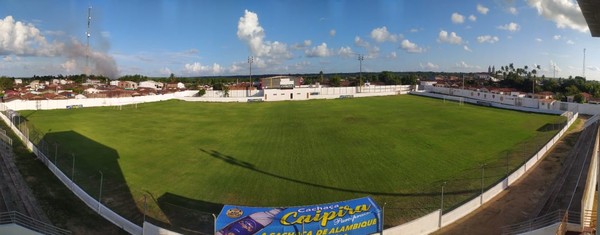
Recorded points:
(360, 60)
(250, 61)
(442, 205)
(100, 194)
(583, 62)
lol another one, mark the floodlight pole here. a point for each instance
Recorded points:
(215, 223)
(383, 217)
(250, 61)
(442, 205)
(55, 154)
(100, 194)
(482, 176)
(360, 60)
(73, 169)
(145, 206)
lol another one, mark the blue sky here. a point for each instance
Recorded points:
(205, 38)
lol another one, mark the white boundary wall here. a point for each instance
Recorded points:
(521, 102)
(216, 96)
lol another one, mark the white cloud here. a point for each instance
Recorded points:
(382, 35)
(414, 30)
(429, 66)
(345, 52)
(472, 18)
(467, 48)
(410, 47)
(319, 51)
(488, 39)
(303, 45)
(556, 37)
(373, 51)
(570, 42)
(512, 27)
(165, 71)
(24, 39)
(593, 68)
(512, 10)
(457, 18)
(538, 40)
(69, 65)
(451, 38)
(464, 65)
(360, 42)
(393, 55)
(481, 9)
(250, 31)
(332, 32)
(565, 13)
(197, 69)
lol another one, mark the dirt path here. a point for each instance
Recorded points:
(521, 201)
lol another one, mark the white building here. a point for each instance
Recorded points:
(152, 84)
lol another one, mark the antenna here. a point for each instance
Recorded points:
(583, 62)
(87, 48)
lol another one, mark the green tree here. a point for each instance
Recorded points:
(335, 81)
(6, 83)
(201, 92)
(578, 98)
(409, 80)
(225, 91)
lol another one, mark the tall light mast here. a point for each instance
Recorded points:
(87, 47)
(583, 62)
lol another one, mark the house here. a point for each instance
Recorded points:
(127, 85)
(180, 86)
(18, 81)
(281, 82)
(151, 84)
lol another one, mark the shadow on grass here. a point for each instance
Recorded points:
(186, 215)
(94, 167)
(236, 162)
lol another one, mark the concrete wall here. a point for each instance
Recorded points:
(587, 201)
(589, 109)
(424, 225)
(16, 229)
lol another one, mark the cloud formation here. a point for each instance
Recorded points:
(251, 32)
(512, 27)
(565, 13)
(457, 18)
(197, 69)
(411, 47)
(24, 39)
(473, 18)
(451, 37)
(319, 51)
(382, 35)
(481, 9)
(487, 38)
(429, 66)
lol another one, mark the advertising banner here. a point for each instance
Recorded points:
(359, 216)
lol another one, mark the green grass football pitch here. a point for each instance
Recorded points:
(398, 149)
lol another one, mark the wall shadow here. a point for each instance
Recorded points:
(186, 215)
(88, 162)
